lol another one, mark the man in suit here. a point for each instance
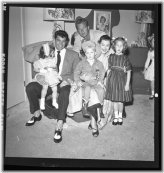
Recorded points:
(67, 60)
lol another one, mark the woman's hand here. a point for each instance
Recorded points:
(126, 87)
(59, 77)
(49, 69)
(99, 83)
(43, 71)
(74, 87)
(79, 83)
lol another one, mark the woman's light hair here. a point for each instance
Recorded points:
(88, 44)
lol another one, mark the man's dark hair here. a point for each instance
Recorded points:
(80, 20)
(62, 34)
(104, 37)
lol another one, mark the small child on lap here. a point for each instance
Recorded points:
(89, 73)
(46, 66)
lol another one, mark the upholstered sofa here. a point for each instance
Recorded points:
(137, 57)
(31, 53)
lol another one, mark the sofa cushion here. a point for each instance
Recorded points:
(138, 56)
(139, 84)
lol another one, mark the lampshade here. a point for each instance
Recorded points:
(144, 16)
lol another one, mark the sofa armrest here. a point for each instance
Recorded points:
(138, 56)
(31, 51)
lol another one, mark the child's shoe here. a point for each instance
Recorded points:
(115, 121)
(151, 97)
(120, 121)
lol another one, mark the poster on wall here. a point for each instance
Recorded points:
(102, 21)
(143, 16)
(65, 14)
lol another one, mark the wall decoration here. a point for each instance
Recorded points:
(65, 14)
(102, 21)
(58, 25)
(146, 19)
(144, 16)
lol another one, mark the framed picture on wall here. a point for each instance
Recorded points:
(65, 14)
(143, 16)
(102, 21)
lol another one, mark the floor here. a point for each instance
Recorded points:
(134, 140)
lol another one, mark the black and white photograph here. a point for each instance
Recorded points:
(82, 86)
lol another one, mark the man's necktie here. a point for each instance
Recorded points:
(58, 60)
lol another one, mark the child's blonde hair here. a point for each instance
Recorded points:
(88, 44)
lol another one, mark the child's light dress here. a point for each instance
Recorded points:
(149, 65)
(51, 76)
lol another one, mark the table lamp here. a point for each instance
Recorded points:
(145, 18)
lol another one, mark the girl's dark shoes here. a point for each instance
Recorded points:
(95, 133)
(151, 97)
(120, 121)
(115, 121)
(58, 136)
(33, 120)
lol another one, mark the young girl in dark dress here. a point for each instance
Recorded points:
(118, 88)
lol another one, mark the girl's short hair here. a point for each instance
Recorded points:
(125, 44)
(104, 37)
(88, 44)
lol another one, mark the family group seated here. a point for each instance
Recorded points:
(93, 77)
